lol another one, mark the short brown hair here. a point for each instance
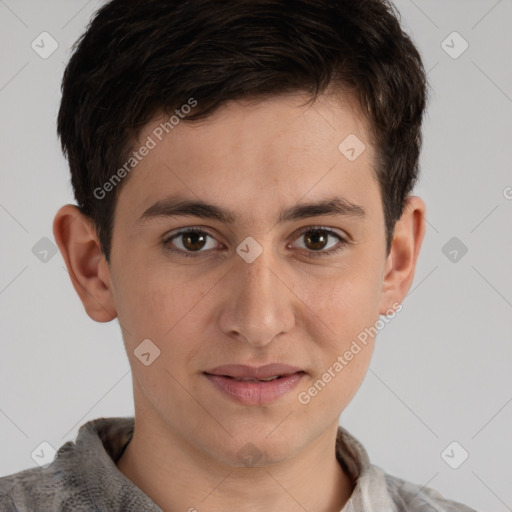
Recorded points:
(138, 58)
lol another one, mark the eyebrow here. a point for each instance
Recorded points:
(176, 207)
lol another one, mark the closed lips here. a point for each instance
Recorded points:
(265, 373)
(252, 379)
(255, 386)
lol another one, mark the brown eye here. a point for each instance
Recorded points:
(189, 241)
(193, 241)
(318, 240)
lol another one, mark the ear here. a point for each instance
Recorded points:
(401, 261)
(89, 271)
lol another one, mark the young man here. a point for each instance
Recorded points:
(243, 172)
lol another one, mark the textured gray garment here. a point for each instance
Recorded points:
(83, 477)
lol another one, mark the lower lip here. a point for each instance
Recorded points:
(255, 393)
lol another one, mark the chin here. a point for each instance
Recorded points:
(257, 450)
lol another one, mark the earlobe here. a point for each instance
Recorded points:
(401, 261)
(78, 243)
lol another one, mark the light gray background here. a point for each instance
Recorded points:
(441, 369)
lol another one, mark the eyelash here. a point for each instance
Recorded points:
(311, 254)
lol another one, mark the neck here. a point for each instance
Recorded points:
(176, 476)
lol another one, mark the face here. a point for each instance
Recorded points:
(260, 279)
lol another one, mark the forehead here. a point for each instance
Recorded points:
(275, 149)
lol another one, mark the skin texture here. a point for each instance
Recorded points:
(254, 158)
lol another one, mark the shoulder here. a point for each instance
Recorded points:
(49, 487)
(25, 490)
(6, 488)
(412, 497)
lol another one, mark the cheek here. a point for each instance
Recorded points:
(168, 308)
(347, 301)
(161, 309)
(349, 308)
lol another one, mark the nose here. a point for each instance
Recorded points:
(259, 304)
